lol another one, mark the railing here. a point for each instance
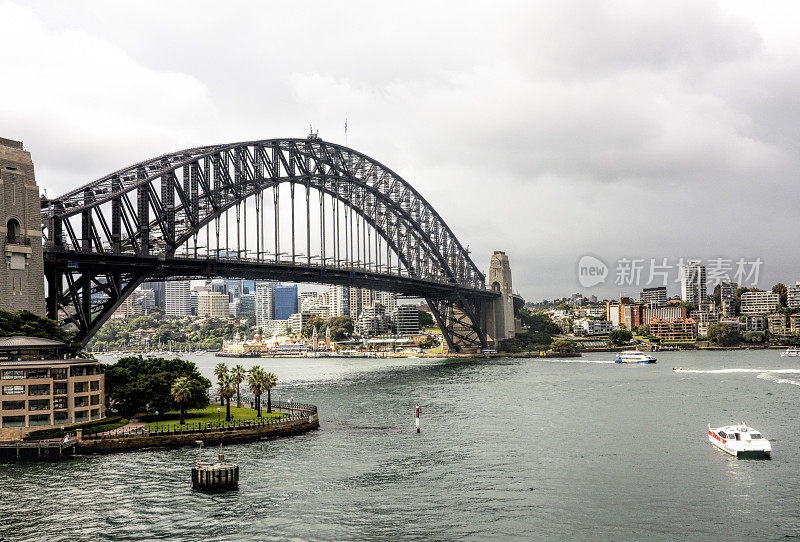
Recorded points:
(297, 411)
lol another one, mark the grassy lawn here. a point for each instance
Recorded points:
(210, 414)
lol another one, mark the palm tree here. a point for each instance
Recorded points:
(270, 381)
(238, 373)
(220, 369)
(182, 391)
(226, 391)
(255, 381)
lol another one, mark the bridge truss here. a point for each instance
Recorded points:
(300, 210)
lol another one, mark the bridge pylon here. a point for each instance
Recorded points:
(500, 318)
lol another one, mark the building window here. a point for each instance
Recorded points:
(94, 385)
(13, 405)
(37, 373)
(39, 404)
(81, 402)
(39, 389)
(60, 388)
(13, 374)
(39, 419)
(95, 413)
(59, 403)
(81, 387)
(13, 390)
(77, 370)
(81, 415)
(60, 416)
(58, 374)
(12, 228)
(13, 421)
(95, 399)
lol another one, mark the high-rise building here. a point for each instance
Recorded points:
(693, 283)
(339, 300)
(247, 305)
(233, 288)
(388, 300)
(158, 288)
(793, 296)
(373, 320)
(654, 297)
(265, 303)
(727, 298)
(298, 321)
(177, 298)
(406, 320)
(213, 304)
(248, 287)
(307, 299)
(285, 301)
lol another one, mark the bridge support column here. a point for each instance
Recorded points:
(499, 315)
(22, 268)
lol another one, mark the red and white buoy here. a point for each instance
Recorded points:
(417, 417)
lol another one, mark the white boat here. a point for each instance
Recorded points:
(740, 441)
(634, 356)
(792, 352)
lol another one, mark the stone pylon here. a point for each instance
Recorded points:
(22, 270)
(500, 317)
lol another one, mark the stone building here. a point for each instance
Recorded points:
(22, 272)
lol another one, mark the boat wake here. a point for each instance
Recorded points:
(779, 376)
(566, 360)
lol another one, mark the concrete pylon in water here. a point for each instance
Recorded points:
(22, 270)
(500, 322)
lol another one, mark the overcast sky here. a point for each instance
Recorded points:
(550, 130)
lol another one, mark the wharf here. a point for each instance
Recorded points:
(42, 449)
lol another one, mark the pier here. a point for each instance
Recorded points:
(42, 449)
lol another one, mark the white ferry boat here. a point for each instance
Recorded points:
(740, 441)
(634, 356)
(792, 352)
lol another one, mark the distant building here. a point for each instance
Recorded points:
(339, 300)
(586, 326)
(759, 302)
(177, 298)
(387, 299)
(793, 296)
(727, 298)
(247, 305)
(265, 298)
(693, 283)
(654, 297)
(794, 323)
(213, 304)
(665, 313)
(624, 314)
(248, 287)
(406, 320)
(755, 322)
(285, 300)
(308, 299)
(680, 329)
(373, 320)
(159, 292)
(298, 321)
(778, 324)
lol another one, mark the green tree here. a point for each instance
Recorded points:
(30, 325)
(238, 373)
(426, 320)
(256, 381)
(226, 390)
(135, 384)
(618, 337)
(220, 370)
(182, 392)
(723, 334)
(782, 291)
(643, 329)
(756, 337)
(270, 381)
(564, 346)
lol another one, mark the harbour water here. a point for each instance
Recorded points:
(510, 449)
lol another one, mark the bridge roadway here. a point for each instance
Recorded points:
(176, 267)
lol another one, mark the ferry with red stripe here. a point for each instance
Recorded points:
(740, 441)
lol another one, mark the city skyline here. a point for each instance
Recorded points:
(573, 130)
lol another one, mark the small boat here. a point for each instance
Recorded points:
(792, 352)
(634, 356)
(740, 441)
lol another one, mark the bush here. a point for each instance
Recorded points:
(96, 426)
(618, 337)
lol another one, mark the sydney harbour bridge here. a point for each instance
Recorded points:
(296, 210)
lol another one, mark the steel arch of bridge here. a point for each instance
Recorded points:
(105, 238)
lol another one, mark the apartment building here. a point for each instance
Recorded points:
(213, 304)
(793, 296)
(680, 329)
(39, 389)
(759, 302)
